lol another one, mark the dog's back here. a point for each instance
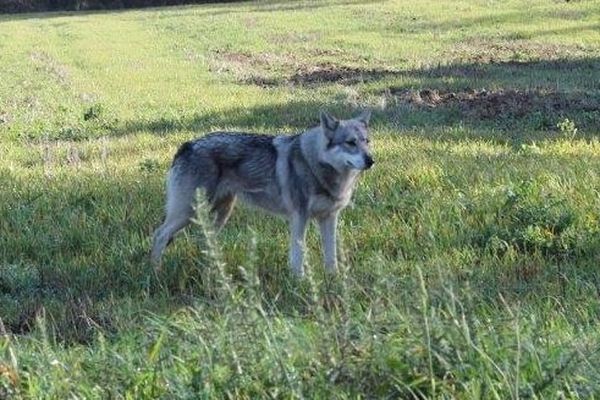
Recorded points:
(227, 159)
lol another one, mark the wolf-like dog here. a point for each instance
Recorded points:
(302, 176)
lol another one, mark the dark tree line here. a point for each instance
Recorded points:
(16, 6)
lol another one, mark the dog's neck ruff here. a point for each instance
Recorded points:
(336, 193)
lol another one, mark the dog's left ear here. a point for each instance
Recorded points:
(329, 124)
(364, 117)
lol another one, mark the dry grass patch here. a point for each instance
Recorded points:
(45, 62)
(490, 50)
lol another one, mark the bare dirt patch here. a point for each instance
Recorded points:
(238, 57)
(329, 73)
(314, 75)
(268, 69)
(245, 65)
(489, 104)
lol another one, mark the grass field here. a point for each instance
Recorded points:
(470, 253)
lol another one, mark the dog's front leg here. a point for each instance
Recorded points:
(297, 233)
(327, 227)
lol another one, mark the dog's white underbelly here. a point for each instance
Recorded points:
(268, 200)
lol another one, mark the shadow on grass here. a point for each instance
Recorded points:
(569, 74)
(507, 101)
(520, 16)
(77, 248)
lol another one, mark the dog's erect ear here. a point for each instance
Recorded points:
(329, 124)
(364, 117)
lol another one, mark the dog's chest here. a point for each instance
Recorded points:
(323, 204)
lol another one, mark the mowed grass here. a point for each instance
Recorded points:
(470, 253)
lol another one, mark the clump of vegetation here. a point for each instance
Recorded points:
(93, 112)
(532, 220)
(567, 128)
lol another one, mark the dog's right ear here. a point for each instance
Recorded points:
(329, 124)
(364, 117)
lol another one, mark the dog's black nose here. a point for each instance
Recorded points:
(369, 161)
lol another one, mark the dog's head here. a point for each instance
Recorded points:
(346, 142)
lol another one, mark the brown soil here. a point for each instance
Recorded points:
(237, 57)
(260, 69)
(328, 73)
(323, 73)
(251, 68)
(493, 103)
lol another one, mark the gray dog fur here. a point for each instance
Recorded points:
(303, 176)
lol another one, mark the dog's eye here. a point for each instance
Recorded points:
(351, 143)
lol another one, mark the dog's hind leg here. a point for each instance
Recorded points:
(222, 208)
(180, 199)
(163, 236)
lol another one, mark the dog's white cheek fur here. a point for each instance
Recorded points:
(341, 160)
(344, 160)
(357, 160)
